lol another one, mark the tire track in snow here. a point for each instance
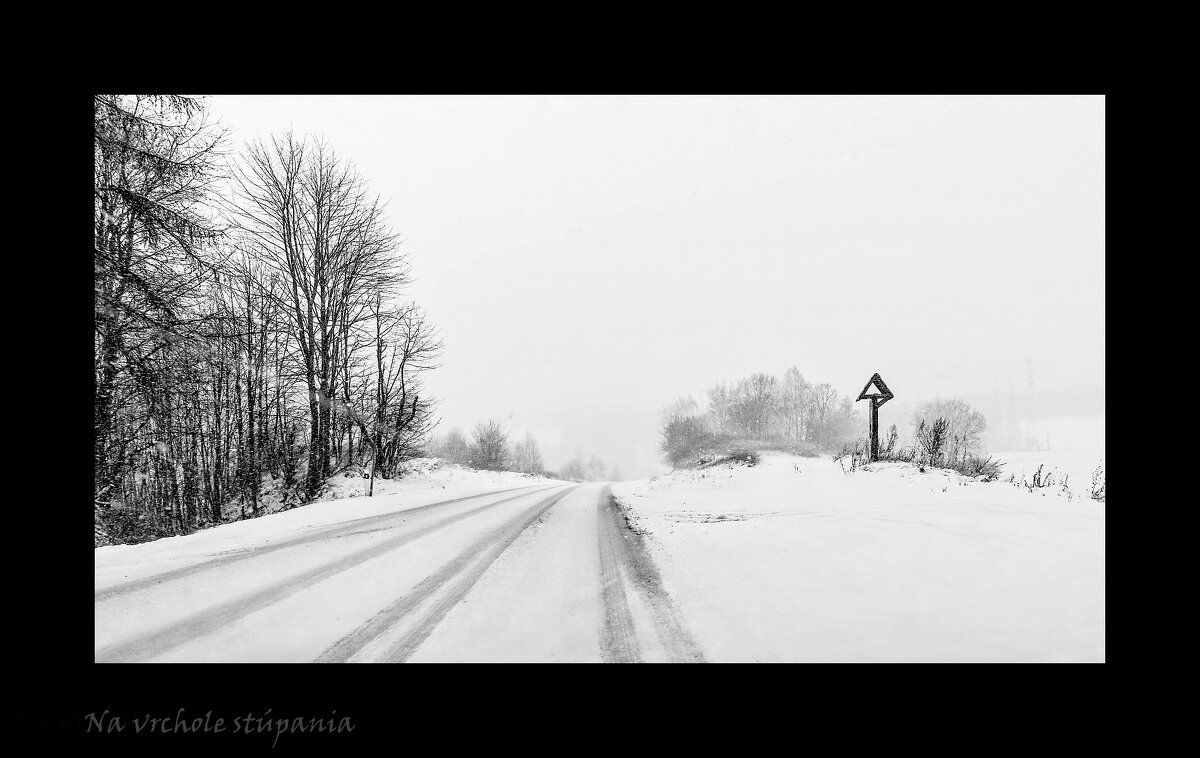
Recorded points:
(345, 528)
(494, 544)
(173, 635)
(618, 638)
(624, 551)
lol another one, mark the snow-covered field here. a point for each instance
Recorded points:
(794, 560)
(1077, 467)
(1077, 448)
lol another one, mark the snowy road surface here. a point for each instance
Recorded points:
(536, 573)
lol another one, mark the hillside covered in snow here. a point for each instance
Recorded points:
(800, 559)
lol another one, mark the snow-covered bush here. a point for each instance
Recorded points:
(931, 440)
(926, 452)
(964, 425)
(981, 466)
(737, 458)
(685, 439)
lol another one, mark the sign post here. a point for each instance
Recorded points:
(878, 397)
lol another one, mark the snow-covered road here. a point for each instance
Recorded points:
(536, 573)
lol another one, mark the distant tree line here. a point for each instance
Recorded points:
(490, 448)
(588, 469)
(760, 410)
(250, 336)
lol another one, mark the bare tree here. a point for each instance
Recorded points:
(964, 425)
(755, 403)
(595, 469)
(821, 409)
(305, 214)
(156, 159)
(681, 408)
(747, 409)
(527, 458)
(583, 469)
(719, 416)
(490, 449)
(793, 402)
(405, 346)
(215, 347)
(452, 447)
(575, 469)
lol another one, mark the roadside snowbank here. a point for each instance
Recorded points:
(426, 481)
(794, 560)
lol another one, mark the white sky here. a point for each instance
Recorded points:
(588, 259)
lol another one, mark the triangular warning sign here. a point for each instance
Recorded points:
(876, 390)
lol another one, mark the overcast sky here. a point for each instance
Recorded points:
(589, 259)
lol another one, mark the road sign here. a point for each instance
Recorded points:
(877, 396)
